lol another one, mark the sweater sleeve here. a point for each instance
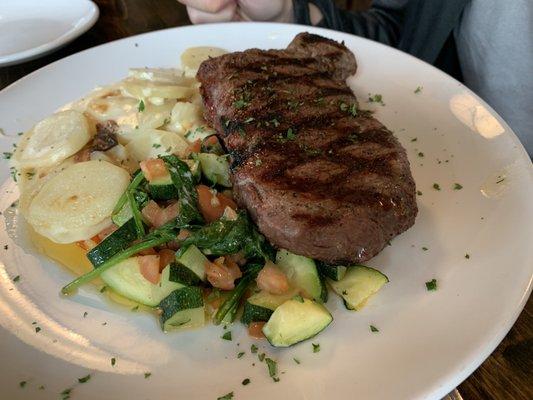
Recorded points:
(382, 22)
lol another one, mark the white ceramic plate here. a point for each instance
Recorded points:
(31, 28)
(427, 343)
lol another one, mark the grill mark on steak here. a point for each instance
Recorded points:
(320, 177)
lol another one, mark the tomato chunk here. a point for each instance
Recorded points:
(149, 267)
(255, 329)
(211, 204)
(153, 168)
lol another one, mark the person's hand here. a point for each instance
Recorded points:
(207, 11)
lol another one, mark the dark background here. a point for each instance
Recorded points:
(506, 374)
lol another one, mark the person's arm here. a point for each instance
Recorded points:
(382, 22)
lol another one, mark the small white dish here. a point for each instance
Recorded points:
(32, 28)
(428, 342)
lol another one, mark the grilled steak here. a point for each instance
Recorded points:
(319, 176)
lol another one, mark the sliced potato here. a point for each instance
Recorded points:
(150, 143)
(194, 56)
(155, 116)
(184, 117)
(170, 76)
(30, 181)
(144, 89)
(121, 109)
(52, 140)
(77, 203)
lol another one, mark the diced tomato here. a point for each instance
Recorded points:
(149, 267)
(239, 258)
(148, 252)
(196, 146)
(166, 256)
(255, 330)
(184, 234)
(157, 216)
(152, 212)
(211, 140)
(212, 205)
(89, 243)
(222, 275)
(272, 279)
(153, 168)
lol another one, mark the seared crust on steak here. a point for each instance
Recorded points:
(320, 177)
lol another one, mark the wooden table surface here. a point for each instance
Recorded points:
(506, 374)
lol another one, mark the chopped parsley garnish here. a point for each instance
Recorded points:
(414, 139)
(156, 145)
(37, 329)
(436, 186)
(353, 137)
(261, 357)
(226, 336)
(141, 106)
(373, 328)
(258, 162)
(253, 349)
(248, 120)
(272, 367)
(418, 89)
(344, 292)
(41, 387)
(103, 289)
(84, 379)
(228, 396)
(290, 134)
(30, 174)
(240, 354)
(7, 155)
(294, 104)
(136, 308)
(377, 98)
(241, 103)
(22, 383)
(296, 360)
(16, 278)
(166, 121)
(316, 347)
(113, 361)
(246, 382)
(501, 180)
(420, 154)
(457, 186)
(65, 394)
(431, 285)
(274, 122)
(298, 298)
(6, 247)
(418, 192)
(425, 248)
(147, 375)
(467, 256)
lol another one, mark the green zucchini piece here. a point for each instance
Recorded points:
(194, 166)
(215, 168)
(335, 272)
(296, 320)
(181, 274)
(163, 188)
(358, 285)
(126, 279)
(195, 260)
(123, 216)
(182, 309)
(301, 273)
(113, 244)
(261, 305)
(324, 294)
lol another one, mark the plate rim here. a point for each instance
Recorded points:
(477, 354)
(32, 53)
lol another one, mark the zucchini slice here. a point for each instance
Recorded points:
(182, 309)
(215, 168)
(261, 305)
(335, 272)
(358, 285)
(301, 272)
(114, 243)
(163, 188)
(181, 274)
(296, 320)
(194, 260)
(126, 279)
